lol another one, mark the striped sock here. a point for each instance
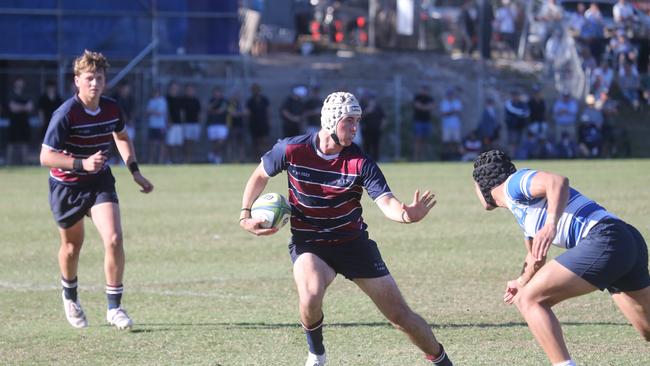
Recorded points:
(114, 296)
(314, 335)
(442, 359)
(565, 363)
(69, 288)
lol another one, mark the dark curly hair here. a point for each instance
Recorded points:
(492, 168)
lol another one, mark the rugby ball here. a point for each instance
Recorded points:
(273, 208)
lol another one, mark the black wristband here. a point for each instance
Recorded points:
(133, 167)
(245, 209)
(78, 165)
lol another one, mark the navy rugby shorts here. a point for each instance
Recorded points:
(612, 256)
(69, 204)
(358, 258)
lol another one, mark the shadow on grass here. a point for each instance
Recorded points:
(158, 327)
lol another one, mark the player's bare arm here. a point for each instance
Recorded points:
(531, 266)
(254, 187)
(54, 159)
(556, 190)
(398, 211)
(127, 152)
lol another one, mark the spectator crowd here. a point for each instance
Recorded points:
(180, 125)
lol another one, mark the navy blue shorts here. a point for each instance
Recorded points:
(156, 134)
(612, 256)
(422, 129)
(359, 258)
(69, 204)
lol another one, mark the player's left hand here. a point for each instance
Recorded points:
(254, 226)
(142, 182)
(420, 206)
(542, 241)
(512, 289)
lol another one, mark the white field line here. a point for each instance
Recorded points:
(30, 287)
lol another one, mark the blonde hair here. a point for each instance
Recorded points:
(90, 62)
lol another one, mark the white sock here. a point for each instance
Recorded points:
(565, 363)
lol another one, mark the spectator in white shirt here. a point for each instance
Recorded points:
(450, 109)
(504, 22)
(565, 114)
(157, 118)
(629, 82)
(602, 77)
(623, 12)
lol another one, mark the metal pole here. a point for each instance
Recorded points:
(372, 15)
(116, 79)
(154, 40)
(523, 39)
(397, 83)
(59, 41)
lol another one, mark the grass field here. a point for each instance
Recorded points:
(203, 291)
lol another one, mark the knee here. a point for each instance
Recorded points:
(113, 242)
(70, 249)
(311, 304)
(527, 301)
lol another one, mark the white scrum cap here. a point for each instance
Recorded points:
(336, 106)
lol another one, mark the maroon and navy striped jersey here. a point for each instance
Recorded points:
(78, 132)
(325, 190)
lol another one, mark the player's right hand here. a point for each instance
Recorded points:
(253, 226)
(94, 162)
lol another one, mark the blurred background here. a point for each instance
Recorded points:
(437, 79)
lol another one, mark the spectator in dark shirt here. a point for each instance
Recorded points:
(292, 111)
(516, 118)
(257, 108)
(124, 98)
(537, 107)
(20, 107)
(192, 126)
(313, 106)
(47, 104)
(423, 105)
(372, 124)
(175, 122)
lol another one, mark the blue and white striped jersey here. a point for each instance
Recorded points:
(579, 216)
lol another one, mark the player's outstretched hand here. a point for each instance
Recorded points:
(94, 162)
(420, 206)
(512, 289)
(253, 226)
(142, 182)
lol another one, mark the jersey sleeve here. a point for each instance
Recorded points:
(275, 160)
(518, 187)
(374, 180)
(120, 126)
(57, 131)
